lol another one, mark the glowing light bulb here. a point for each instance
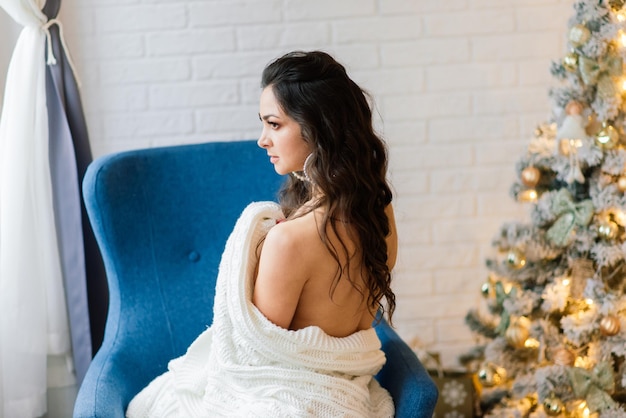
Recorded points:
(529, 195)
(589, 301)
(565, 282)
(618, 215)
(620, 16)
(583, 362)
(586, 412)
(531, 343)
(622, 37)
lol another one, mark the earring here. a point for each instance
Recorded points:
(299, 176)
(304, 177)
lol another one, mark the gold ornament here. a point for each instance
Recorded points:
(489, 375)
(570, 62)
(614, 214)
(517, 334)
(531, 401)
(616, 5)
(608, 137)
(515, 259)
(528, 195)
(563, 357)
(609, 325)
(593, 125)
(579, 35)
(621, 183)
(530, 176)
(607, 229)
(552, 405)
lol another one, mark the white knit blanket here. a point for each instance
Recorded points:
(245, 366)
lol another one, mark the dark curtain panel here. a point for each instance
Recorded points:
(70, 154)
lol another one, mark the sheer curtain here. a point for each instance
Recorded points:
(33, 312)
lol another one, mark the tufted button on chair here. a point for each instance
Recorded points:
(161, 217)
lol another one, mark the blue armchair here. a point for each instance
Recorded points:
(161, 217)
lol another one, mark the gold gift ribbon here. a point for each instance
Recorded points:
(601, 73)
(570, 215)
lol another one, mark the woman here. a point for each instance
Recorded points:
(332, 260)
(299, 284)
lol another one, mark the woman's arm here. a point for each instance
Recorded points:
(281, 275)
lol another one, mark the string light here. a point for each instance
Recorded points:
(618, 215)
(584, 409)
(583, 362)
(531, 343)
(622, 37)
(507, 286)
(529, 195)
(589, 302)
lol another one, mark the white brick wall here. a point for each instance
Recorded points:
(459, 84)
(8, 37)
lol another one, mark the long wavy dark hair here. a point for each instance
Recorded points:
(348, 164)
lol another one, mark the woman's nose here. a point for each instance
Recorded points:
(263, 142)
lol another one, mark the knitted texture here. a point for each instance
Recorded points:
(245, 366)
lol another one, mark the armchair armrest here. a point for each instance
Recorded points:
(413, 391)
(113, 377)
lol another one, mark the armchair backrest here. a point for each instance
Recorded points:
(161, 217)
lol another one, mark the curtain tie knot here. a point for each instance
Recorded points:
(51, 58)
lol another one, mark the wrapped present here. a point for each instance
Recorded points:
(458, 396)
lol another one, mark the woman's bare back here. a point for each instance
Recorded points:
(297, 280)
(334, 300)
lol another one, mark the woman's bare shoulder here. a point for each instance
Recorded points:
(294, 232)
(289, 243)
(285, 265)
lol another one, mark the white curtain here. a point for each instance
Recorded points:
(33, 314)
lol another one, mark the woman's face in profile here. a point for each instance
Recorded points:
(281, 136)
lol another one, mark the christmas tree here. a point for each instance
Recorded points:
(554, 317)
